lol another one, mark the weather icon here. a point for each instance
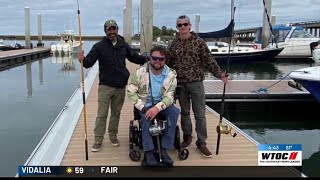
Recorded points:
(69, 170)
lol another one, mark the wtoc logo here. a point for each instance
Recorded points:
(279, 155)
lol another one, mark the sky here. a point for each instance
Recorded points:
(59, 15)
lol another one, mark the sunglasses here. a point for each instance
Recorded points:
(155, 58)
(184, 24)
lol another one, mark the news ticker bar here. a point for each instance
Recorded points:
(177, 171)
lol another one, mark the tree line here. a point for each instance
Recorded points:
(157, 32)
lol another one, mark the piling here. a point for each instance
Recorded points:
(146, 37)
(266, 27)
(39, 44)
(128, 16)
(197, 23)
(27, 27)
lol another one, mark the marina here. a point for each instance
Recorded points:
(265, 102)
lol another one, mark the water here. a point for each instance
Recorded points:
(31, 97)
(277, 123)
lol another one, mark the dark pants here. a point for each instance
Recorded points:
(171, 114)
(195, 92)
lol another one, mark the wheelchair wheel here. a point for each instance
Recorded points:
(183, 154)
(131, 132)
(134, 155)
(177, 138)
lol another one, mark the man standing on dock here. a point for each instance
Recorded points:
(189, 55)
(111, 52)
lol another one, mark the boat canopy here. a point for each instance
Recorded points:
(227, 32)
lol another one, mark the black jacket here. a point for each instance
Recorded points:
(112, 64)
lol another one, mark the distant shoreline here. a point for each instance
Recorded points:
(47, 37)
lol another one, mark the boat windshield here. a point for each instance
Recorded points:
(280, 35)
(300, 33)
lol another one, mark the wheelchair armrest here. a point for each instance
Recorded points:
(136, 113)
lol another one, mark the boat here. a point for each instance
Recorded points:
(8, 47)
(241, 53)
(309, 78)
(236, 53)
(67, 45)
(297, 42)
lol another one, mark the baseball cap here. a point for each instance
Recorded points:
(183, 17)
(110, 23)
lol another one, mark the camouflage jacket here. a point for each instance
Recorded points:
(191, 58)
(138, 88)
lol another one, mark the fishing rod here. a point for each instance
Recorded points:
(223, 129)
(83, 91)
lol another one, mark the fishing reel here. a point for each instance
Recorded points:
(156, 129)
(225, 129)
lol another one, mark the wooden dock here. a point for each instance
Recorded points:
(239, 151)
(255, 91)
(20, 56)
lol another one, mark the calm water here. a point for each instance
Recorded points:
(277, 123)
(33, 94)
(31, 97)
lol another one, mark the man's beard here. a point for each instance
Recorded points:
(113, 38)
(156, 68)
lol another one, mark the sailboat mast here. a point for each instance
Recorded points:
(232, 18)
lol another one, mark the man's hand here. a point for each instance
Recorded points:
(224, 77)
(151, 113)
(80, 56)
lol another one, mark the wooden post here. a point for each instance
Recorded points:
(265, 28)
(197, 23)
(39, 44)
(146, 37)
(27, 27)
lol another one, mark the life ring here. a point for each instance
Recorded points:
(254, 46)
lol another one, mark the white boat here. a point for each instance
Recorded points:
(68, 44)
(7, 46)
(309, 78)
(297, 42)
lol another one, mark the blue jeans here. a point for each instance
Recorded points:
(171, 114)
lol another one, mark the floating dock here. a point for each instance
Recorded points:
(20, 56)
(63, 144)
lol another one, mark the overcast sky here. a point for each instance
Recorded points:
(58, 15)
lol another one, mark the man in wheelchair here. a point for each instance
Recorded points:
(151, 90)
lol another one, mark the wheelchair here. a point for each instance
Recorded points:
(156, 128)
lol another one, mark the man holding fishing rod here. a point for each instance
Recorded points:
(189, 55)
(111, 52)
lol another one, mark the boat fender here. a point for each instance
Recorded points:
(295, 85)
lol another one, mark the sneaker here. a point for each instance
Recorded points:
(205, 151)
(186, 141)
(115, 142)
(96, 147)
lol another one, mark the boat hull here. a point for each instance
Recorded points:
(247, 57)
(312, 86)
(309, 78)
